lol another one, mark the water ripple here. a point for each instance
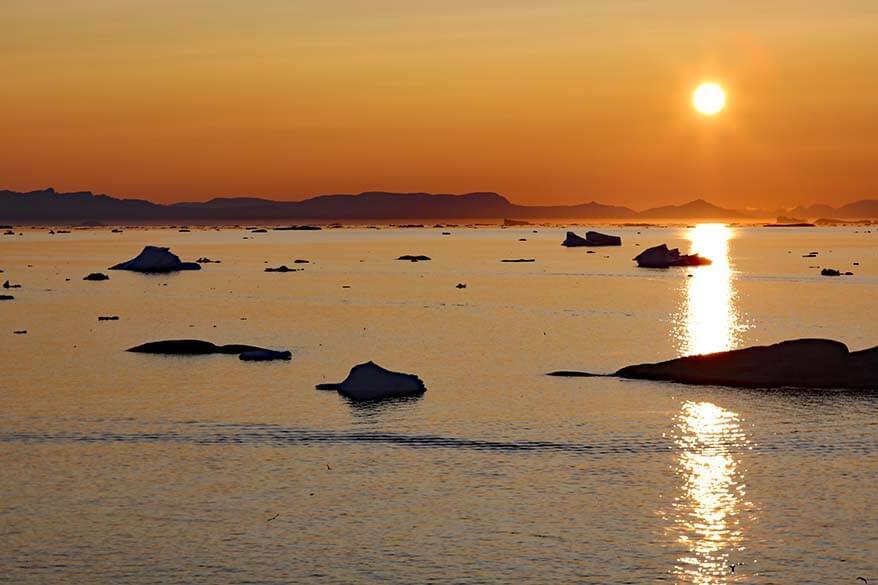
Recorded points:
(268, 435)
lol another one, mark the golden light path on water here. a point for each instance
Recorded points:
(706, 511)
(706, 516)
(708, 321)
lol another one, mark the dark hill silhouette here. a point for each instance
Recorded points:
(863, 209)
(226, 203)
(698, 209)
(47, 205)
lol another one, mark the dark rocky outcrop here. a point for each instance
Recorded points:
(591, 239)
(369, 381)
(800, 363)
(834, 272)
(156, 260)
(108, 317)
(414, 258)
(206, 260)
(198, 347)
(265, 355)
(283, 268)
(7, 298)
(662, 257)
(519, 260)
(96, 276)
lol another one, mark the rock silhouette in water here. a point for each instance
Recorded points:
(414, 258)
(194, 347)
(662, 257)
(96, 276)
(834, 272)
(7, 298)
(369, 381)
(283, 268)
(264, 355)
(573, 374)
(8, 284)
(108, 317)
(155, 259)
(519, 260)
(591, 239)
(800, 363)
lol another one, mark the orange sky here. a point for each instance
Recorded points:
(554, 101)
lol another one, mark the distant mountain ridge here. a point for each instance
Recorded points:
(698, 209)
(49, 205)
(863, 209)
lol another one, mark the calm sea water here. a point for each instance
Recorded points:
(128, 468)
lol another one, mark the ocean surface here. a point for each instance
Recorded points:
(125, 468)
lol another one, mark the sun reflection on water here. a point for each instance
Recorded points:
(706, 514)
(708, 321)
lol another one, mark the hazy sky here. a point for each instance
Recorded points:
(548, 101)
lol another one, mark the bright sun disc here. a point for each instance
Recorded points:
(709, 99)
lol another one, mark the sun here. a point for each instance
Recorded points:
(709, 98)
